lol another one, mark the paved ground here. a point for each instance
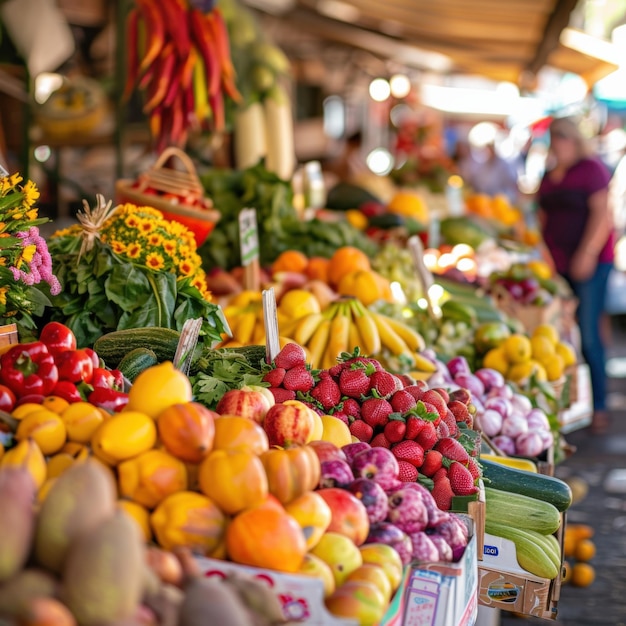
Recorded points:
(596, 458)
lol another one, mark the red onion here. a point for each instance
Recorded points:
(490, 378)
(521, 403)
(473, 384)
(547, 438)
(458, 365)
(514, 425)
(537, 420)
(529, 444)
(505, 444)
(490, 422)
(501, 405)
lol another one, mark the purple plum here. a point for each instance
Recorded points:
(444, 549)
(435, 514)
(391, 535)
(352, 449)
(373, 497)
(379, 464)
(458, 365)
(424, 549)
(454, 532)
(407, 510)
(335, 473)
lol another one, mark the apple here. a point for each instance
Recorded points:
(386, 557)
(360, 600)
(313, 515)
(251, 404)
(289, 423)
(349, 515)
(374, 574)
(327, 451)
(339, 553)
(315, 567)
(269, 396)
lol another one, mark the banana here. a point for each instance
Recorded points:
(258, 335)
(246, 323)
(306, 326)
(318, 342)
(354, 337)
(411, 337)
(368, 330)
(422, 364)
(389, 337)
(339, 335)
(288, 327)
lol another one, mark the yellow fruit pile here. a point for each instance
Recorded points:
(542, 354)
(579, 547)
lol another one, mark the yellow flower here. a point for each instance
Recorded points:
(14, 179)
(31, 193)
(185, 268)
(3, 295)
(32, 214)
(155, 261)
(155, 239)
(146, 226)
(118, 247)
(132, 221)
(170, 246)
(18, 215)
(27, 254)
(133, 250)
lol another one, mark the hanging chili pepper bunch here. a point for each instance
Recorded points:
(179, 57)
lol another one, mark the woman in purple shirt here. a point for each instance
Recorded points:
(578, 231)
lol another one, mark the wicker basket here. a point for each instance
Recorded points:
(173, 184)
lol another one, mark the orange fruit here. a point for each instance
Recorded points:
(55, 404)
(585, 550)
(45, 428)
(317, 268)
(290, 261)
(81, 420)
(583, 575)
(345, 260)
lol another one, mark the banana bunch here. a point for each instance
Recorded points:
(348, 324)
(179, 57)
(244, 314)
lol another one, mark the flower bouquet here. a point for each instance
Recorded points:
(25, 261)
(129, 267)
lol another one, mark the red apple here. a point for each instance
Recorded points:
(288, 423)
(251, 404)
(349, 515)
(327, 451)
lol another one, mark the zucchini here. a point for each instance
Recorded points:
(524, 512)
(532, 553)
(114, 346)
(538, 486)
(136, 361)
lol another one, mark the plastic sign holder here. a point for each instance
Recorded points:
(270, 318)
(249, 248)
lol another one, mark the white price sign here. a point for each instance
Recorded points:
(248, 236)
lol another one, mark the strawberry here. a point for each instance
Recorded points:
(380, 441)
(275, 376)
(432, 397)
(406, 380)
(372, 365)
(340, 415)
(413, 426)
(336, 370)
(376, 411)
(461, 412)
(442, 472)
(354, 382)
(383, 384)
(474, 468)
(442, 493)
(461, 480)
(417, 389)
(432, 463)
(427, 436)
(351, 407)
(450, 422)
(327, 393)
(442, 430)
(460, 395)
(395, 430)
(408, 473)
(409, 451)
(452, 449)
(290, 356)
(298, 378)
(282, 395)
(402, 401)
(361, 430)
(443, 393)
(314, 407)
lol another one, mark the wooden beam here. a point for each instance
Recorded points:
(558, 20)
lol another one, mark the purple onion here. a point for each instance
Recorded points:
(505, 444)
(458, 365)
(501, 405)
(537, 420)
(529, 444)
(521, 403)
(472, 383)
(547, 438)
(491, 379)
(514, 425)
(490, 422)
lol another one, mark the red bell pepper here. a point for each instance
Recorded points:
(109, 379)
(95, 359)
(68, 391)
(57, 337)
(108, 399)
(7, 399)
(29, 368)
(75, 366)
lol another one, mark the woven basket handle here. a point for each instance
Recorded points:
(172, 151)
(171, 180)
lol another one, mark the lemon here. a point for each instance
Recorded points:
(335, 431)
(567, 353)
(517, 348)
(542, 348)
(496, 359)
(297, 303)
(554, 367)
(521, 372)
(548, 331)
(81, 420)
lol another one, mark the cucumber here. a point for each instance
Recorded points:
(524, 512)
(136, 361)
(114, 346)
(531, 552)
(538, 486)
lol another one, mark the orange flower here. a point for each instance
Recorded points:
(155, 261)
(133, 251)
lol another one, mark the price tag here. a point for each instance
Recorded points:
(248, 236)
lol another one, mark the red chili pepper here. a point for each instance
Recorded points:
(29, 368)
(57, 337)
(68, 391)
(75, 366)
(7, 399)
(108, 399)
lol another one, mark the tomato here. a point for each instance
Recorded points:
(7, 399)
(75, 366)
(57, 337)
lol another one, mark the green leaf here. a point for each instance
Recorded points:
(164, 289)
(128, 287)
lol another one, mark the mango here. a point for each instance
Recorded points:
(103, 577)
(27, 454)
(78, 501)
(17, 522)
(17, 594)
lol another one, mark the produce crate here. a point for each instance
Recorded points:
(503, 584)
(529, 315)
(8, 335)
(474, 506)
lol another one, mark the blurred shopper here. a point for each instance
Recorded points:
(578, 231)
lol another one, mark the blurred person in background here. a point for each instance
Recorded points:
(577, 228)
